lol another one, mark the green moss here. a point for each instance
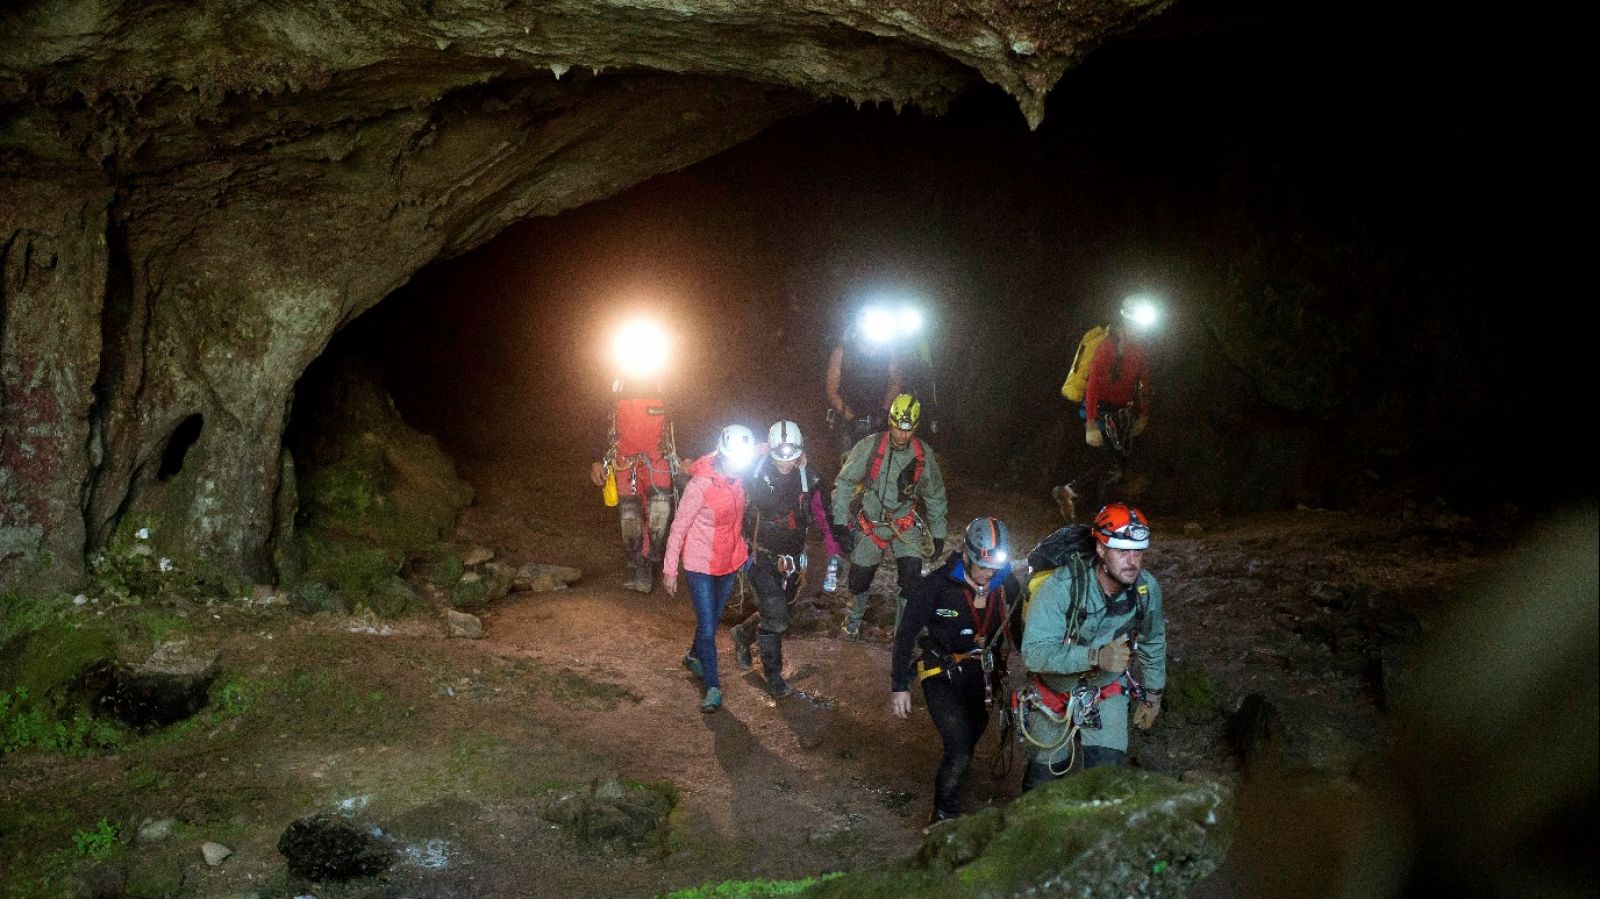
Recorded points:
(21, 614)
(447, 571)
(158, 625)
(754, 889)
(50, 659)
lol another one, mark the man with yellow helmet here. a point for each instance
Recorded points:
(875, 507)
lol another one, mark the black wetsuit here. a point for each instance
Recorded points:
(944, 603)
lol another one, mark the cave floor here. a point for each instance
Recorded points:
(454, 747)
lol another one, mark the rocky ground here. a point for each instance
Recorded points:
(563, 752)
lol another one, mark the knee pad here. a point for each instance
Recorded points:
(632, 521)
(861, 577)
(660, 512)
(908, 571)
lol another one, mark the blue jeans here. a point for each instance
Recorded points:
(709, 593)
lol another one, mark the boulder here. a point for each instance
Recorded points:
(324, 847)
(1107, 832)
(538, 577)
(168, 687)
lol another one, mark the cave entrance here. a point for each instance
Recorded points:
(1259, 208)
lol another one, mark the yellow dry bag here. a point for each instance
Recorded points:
(609, 492)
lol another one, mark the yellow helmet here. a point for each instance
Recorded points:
(904, 412)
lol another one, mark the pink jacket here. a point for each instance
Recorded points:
(707, 527)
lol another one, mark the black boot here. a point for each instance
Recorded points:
(772, 664)
(640, 580)
(741, 645)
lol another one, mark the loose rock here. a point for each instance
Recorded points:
(538, 577)
(462, 624)
(155, 830)
(215, 853)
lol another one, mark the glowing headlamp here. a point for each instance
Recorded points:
(640, 349)
(878, 325)
(738, 458)
(909, 321)
(1140, 311)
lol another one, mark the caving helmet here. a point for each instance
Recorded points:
(904, 412)
(986, 544)
(736, 447)
(1121, 526)
(784, 442)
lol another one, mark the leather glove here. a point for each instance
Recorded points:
(845, 537)
(1139, 424)
(1092, 435)
(1113, 657)
(597, 474)
(1144, 714)
(938, 547)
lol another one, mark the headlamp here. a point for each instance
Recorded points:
(737, 458)
(1140, 311)
(640, 349)
(877, 325)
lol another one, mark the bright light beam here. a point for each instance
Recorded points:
(640, 349)
(1141, 312)
(878, 324)
(910, 321)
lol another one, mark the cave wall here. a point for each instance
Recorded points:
(197, 196)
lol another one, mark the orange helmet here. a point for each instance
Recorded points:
(1121, 526)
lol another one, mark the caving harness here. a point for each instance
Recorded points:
(909, 492)
(1078, 708)
(791, 565)
(988, 629)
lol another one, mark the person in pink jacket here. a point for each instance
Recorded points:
(707, 535)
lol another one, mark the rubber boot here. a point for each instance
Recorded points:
(856, 612)
(772, 664)
(640, 579)
(741, 646)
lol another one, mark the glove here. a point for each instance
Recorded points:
(1113, 657)
(1139, 423)
(597, 474)
(1092, 435)
(938, 547)
(845, 537)
(1144, 714)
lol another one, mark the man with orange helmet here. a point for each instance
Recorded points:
(1091, 625)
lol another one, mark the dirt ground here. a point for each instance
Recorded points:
(453, 748)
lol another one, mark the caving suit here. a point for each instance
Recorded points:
(639, 447)
(1064, 660)
(875, 495)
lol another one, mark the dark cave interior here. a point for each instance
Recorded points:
(1293, 184)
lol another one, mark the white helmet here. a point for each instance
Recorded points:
(737, 447)
(784, 442)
